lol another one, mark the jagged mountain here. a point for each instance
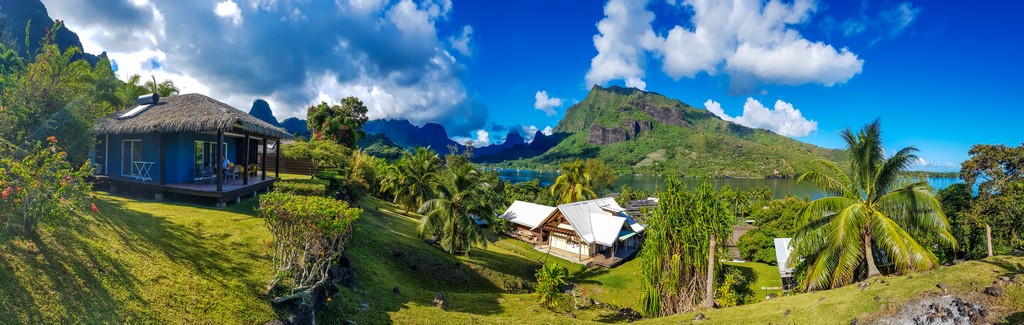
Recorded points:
(15, 16)
(636, 131)
(406, 135)
(261, 110)
(296, 126)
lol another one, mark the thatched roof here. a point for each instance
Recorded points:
(189, 113)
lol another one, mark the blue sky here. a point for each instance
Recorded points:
(942, 76)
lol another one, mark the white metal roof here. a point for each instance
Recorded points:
(782, 251)
(598, 221)
(527, 214)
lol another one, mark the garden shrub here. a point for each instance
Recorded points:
(551, 278)
(307, 187)
(41, 186)
(309, 233)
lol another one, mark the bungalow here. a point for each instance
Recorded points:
(175, 145)
(595, 231)
(783, 250)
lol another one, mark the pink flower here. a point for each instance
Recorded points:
(52, 139)
(94, 209)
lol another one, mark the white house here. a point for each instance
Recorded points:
(599, 229)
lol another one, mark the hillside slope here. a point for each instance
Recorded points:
(644, 132)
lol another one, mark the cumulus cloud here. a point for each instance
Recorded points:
(620, 54)
(392, 54)
(929, 165)
(229, 9)
(750, 40)
(547, 104)
(548, 130)
(784, 119)
(461, 42)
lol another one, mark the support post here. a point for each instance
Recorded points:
(163, 161)
(277, 159)
(245, 161)
(220, 161)
(263, 161)
(106, 155)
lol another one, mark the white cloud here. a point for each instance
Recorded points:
(548, 130)
(619, 49)
(547, 104)
(929, 165)
(900, 17)
(229, 9)
(483, 139)
(461, 43)
(729, 36)
(784, 119)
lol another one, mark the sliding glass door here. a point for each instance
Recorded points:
(131, 151)
(206, 158)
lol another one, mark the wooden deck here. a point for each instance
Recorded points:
(608, 260)
(232, 190)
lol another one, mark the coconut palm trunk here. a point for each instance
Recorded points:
(709, 290)
(869, 256)
(988, 239)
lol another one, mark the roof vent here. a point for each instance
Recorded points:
(145, 102)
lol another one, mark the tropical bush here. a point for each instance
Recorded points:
(40, 186)
(551, 278)
(733, 290)
(342, 124)
(307, 187)
(309, 236)
(450, 215)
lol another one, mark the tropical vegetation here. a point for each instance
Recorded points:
(871, 217)
(677, 260)
(551, 278)
(574, 184)
(452, 215)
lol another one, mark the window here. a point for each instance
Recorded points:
(131, 151)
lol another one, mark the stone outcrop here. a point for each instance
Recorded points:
(667, 115)
(630, 129)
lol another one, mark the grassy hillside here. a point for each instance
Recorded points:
(145, 262)
(698, 144)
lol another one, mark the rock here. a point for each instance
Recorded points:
(821, 299)
(771, 296)
(1017, 279)
(441, 301)
(942, 286)
(629, 314)
(275, 322)
(863, 285)
(501, 300)
(1004, 279)
(364, 306)
(396, 291)
(910, 277)
(877, 298)
(787, 312)
(699, 316)
(994, 290)
(853, 322)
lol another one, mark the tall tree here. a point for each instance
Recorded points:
(340, 123)
(677, 261)
(998, 171)
(573, 185)
(418, 172)
(132, 90)
(459, 198)
(602, 177)
(868, 217)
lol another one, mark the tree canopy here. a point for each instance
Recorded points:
(339, 123)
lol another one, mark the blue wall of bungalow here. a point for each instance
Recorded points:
(180, 153)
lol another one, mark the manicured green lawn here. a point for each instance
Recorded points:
(139, 262)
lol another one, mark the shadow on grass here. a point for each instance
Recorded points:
(1010, 269)
(68, 270)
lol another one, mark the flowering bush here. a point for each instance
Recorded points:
(308, 187)
(40, 186)
(309, 235)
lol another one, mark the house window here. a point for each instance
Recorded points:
(206, 157)
(131, 151)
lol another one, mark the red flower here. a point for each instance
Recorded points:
(5, 193)
(94, 209)
(52, 139)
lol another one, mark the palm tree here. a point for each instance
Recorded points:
(417, 175)
(164, 88)
(450, 215)
(573, 185)
(132, 90)
(868, 217)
